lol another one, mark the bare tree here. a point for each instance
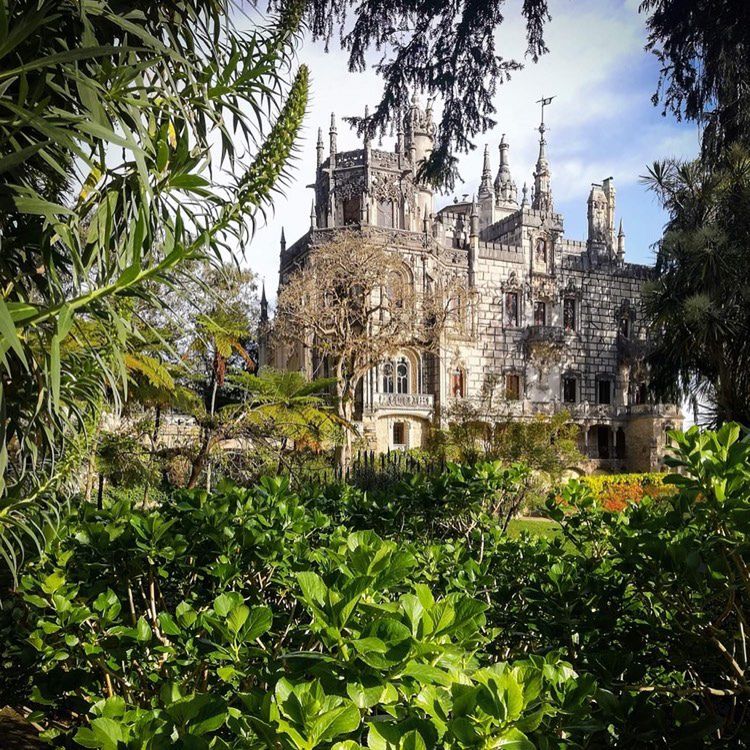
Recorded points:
(351, 303)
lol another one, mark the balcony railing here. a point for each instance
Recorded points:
(403, 401)
(545, 335)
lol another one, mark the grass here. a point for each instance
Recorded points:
(534, 526)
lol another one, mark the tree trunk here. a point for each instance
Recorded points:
(200, 460)
(346, 413)
(211, 412)
(157, 424)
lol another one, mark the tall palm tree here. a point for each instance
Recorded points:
(699, 304)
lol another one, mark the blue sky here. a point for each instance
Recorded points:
(602, 123)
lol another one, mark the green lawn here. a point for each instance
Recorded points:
(535, 527)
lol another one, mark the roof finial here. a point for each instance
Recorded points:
(283, 240)
(313, 216)
(319, 147)
(505, 188)
(332, 136)
(542, 198)
(485, 184)
(263, 304)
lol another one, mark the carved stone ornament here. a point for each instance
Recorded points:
(543, 289)
(385, 187)
(352, 187)
(511, 284)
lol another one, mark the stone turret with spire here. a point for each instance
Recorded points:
(542, 200)
(506, 192)
(485, 194)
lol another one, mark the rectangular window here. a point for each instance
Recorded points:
(540, 314)
(569, 314)
(385, 214)
(605, 392)
(624, 327)
(512, 387)
(511, 308)
(399, 433)
(569, 390)
(352, 209)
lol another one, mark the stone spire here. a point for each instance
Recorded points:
(264, 302)
(366, 134)
(505, 187)
(319, 147)
(485, 184)
(542, 200)
(313, 216)
(283, 240)
(525, 199)
(621, 243)
(332, 135)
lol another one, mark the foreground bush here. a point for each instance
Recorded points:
(258, 618)
(244, 619)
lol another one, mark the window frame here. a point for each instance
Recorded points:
(512, 394)
(514, 321)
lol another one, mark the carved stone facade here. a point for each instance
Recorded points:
(548, 323)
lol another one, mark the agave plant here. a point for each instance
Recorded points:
(117, 120)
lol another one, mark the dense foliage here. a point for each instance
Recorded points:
(263, 618)
(705, 67)
(133, 136)
(699, 304)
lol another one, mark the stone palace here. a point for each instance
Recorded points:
(551, 323)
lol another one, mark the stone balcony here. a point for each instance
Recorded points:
(585, 411)
(403, 402)
(630, 351)
(545, 335)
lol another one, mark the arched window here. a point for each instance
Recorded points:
(388, 378)
(402, 376)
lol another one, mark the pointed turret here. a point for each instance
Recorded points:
(264, 302)
(313, 216)
(621, 244)
(542, 199)
(332, 138)
(505, 188)
(485, 184)
(282, 242)
(525, 193)
(319, 147)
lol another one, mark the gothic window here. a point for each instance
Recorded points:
(624, 326)
(512, 386)
(387, 378)
(457, 383)
(569, 389)
(569, 314)
(399, 433)
(385, 213)
(352, 210)
(402, 376)
(511, 308)
(604, 391)
(540, 314)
